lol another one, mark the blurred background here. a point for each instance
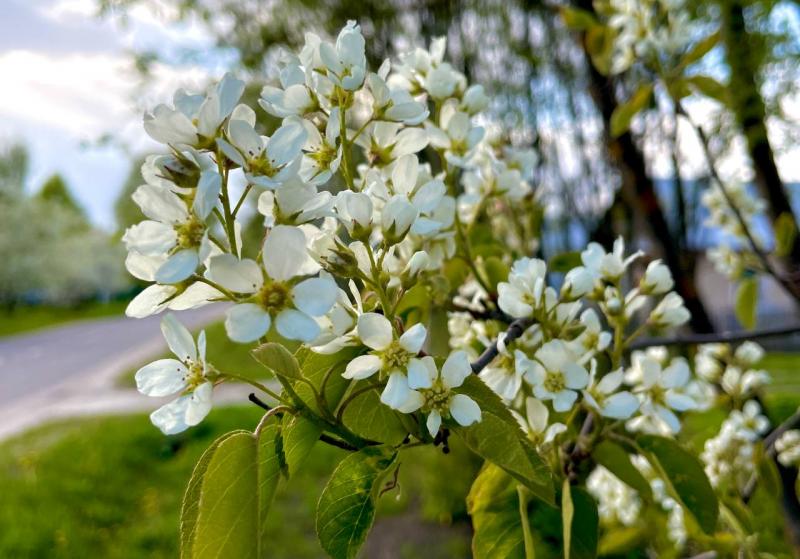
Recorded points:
(82, 472)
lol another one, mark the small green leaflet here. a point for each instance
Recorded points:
(346, 508)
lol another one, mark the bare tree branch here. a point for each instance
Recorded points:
(514, 331)
(720, 337)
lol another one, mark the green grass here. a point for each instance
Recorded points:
(111, 487)
(30, 318)
(221, 351)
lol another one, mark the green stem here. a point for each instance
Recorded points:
(226, 205)
(530, 550)
(247, 190)
(256, 384)
(229, 294)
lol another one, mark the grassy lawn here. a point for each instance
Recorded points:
(112, 488)
(29, 318)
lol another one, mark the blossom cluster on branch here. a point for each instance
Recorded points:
(397, 249)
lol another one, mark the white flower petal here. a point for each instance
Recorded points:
(315, 296)
(537, 414)
(178, 267)
(397, 391)
(161, 378)
(171, 417)
(433, 422)
(564, 400)
(240, 276)
(375, 330)
(285, 252)
(246, 322)
(296, 325)
(455, 369)
(178, 338)
(150, 301)
(421, 372)
(363, 366)
(621, 405)
(413, 338)
(464, 410)
(199, 404)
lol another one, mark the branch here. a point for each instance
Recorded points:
(480, 314)
(336, 442)
(720, 337)
(762, 257)
(515, 330)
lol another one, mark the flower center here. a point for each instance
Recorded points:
(190, 233)
(274, 297)
(554, 382)
(437, 398)
(196, 375)
(262, 166)
(324, 156)
(395, 357)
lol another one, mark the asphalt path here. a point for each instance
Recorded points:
(72, 369)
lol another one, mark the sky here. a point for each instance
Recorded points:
(68, 83)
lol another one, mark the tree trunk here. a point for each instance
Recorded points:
(748, 106)
(638, 192)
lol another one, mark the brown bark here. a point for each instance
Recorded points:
(744, 58)
(638, 192)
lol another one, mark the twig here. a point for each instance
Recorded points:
(336, 442)
(515, 330)
(480, 314)
(762, 257)
(718, 337)
(258, 401)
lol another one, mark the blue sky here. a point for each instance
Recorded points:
(68, 82)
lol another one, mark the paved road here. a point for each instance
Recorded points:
(71, 369)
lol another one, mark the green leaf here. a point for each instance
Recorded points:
(498, 439)
(278, 359)
(785, 234)
(564, 261)
(600, 46)
(747, 302)
(686, 475)
(496, 270)
(700, 49)
(577, 19)
(226, 504)
(584, 530)
(614, 458)
(315, 367)
(367, 417)
(709, 87)
(624, 113)
(492, 504)
(191, 499)
(300, 434)
(346, 508)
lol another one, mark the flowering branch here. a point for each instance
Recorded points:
(514, 331)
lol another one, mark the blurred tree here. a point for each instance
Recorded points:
(126, 211)
(13, 169)
(49, 251)
(57, 191)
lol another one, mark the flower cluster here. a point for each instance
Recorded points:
(732, 257)
(557, 359)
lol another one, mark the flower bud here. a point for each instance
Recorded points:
(577, 283)
(355, 211)
(670, 312)
(657, 279)
(397, 218)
